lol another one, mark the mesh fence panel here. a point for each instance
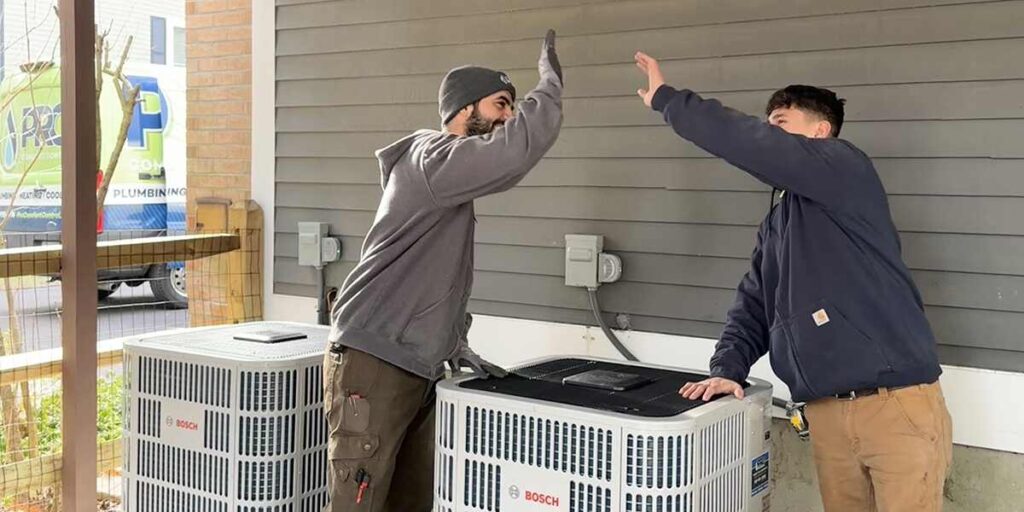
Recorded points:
(144, 286)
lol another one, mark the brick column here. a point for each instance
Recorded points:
(219, 91)
(219, 145)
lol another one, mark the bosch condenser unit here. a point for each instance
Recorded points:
(582, 435)
(226, 419)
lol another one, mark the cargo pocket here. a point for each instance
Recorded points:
(352, 443)
(355, 414)
(348, 454)
(348, 379)
(353, 447)
(833, 355)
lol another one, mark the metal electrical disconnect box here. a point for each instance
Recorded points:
(316, 248)
(586, 266)
(581, 259)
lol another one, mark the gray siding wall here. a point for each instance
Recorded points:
(935, 94)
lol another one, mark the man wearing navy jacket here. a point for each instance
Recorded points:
(828, 297)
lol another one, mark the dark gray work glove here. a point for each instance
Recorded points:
(466, 358)
(549, 58)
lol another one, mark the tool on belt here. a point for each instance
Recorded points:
(795, 413)
(363, 482)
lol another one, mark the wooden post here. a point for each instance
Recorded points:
(211, 215)
(78, 232)
(205, 282)
(228, 289)
(245, 266)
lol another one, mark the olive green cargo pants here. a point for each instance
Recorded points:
(381, 424)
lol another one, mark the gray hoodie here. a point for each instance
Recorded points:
(405, 302)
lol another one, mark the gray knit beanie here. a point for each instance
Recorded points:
(466, 85)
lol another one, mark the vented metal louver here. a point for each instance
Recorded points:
(161, 498)
(183, 468)
(266, 435)
(278, 508)
(659, 462)
(268, 391)
(723, 493)
(721, 444)
(482, 489)
(189, 382)
(589, 498)
(641, 503)
(561, 445)
(149, 417)
(215, 436)
(444, 461)
(314, 458)
(261, 481)
(314, 442)
(225, 425)
(315, 502)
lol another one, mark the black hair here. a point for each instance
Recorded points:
(815, 100)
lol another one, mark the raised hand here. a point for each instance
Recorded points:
(549, 58)
(649, 66)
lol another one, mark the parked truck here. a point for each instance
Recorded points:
(146, 196)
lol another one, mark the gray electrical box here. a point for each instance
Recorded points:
(581, 259)
(316, 248)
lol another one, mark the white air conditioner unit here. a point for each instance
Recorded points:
(584, 435)
(226, 419)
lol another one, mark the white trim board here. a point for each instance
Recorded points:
(275, 306)
(263, 136)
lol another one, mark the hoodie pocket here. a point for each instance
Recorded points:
(784, 361)
(833, 355)
(431, 331)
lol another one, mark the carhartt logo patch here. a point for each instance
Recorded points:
(505, 79)
(820, 317)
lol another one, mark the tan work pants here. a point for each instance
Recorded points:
(887, 452)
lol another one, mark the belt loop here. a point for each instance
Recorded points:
(883, 392)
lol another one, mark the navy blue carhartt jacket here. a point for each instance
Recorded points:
(828, 296)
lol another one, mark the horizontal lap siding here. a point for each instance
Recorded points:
(934, 92)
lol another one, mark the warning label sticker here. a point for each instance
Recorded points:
(759, 473)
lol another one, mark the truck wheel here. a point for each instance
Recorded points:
(169, 285)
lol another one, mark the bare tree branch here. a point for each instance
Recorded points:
(22, 38)
(128, 96)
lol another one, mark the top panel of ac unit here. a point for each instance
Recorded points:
(622, 388)
(256, 341)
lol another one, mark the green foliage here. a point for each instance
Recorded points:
(109, 415)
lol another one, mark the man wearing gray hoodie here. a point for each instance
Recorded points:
(401, 313)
